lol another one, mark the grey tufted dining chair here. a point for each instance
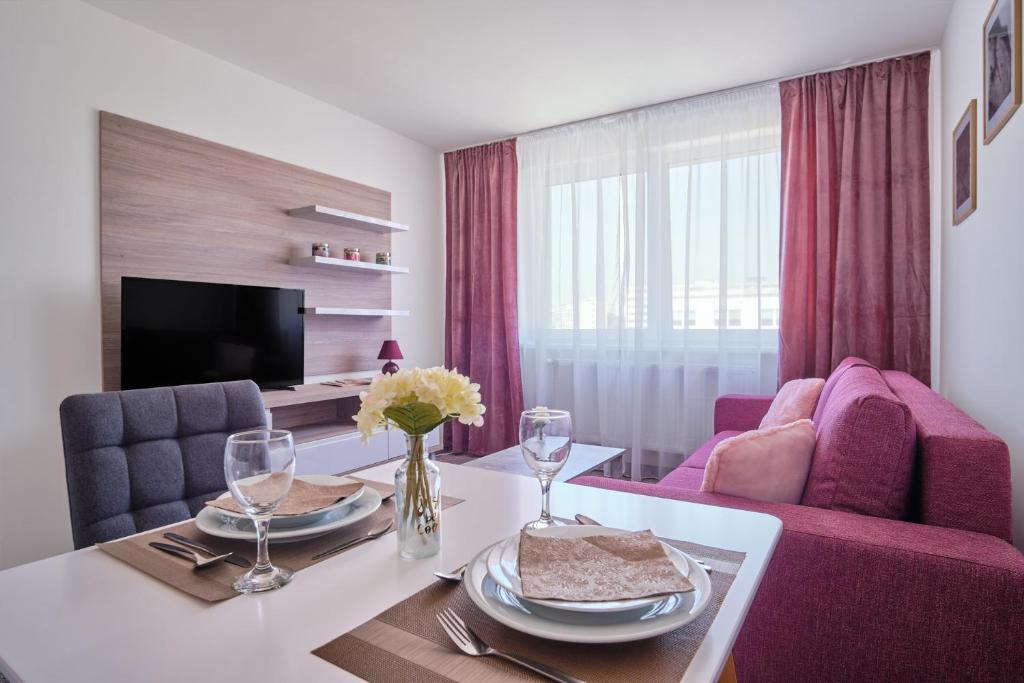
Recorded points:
(139, 459)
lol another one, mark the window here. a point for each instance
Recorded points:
(648, 254)
(608, 254)
(592, 224)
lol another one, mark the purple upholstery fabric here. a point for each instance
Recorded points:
(740, 412)
(831, 382)
(963, 477)
(853, 598)
(686, 478)
(864, 459)
(699, 459)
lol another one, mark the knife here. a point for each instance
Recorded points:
(202, 547)
(583, 519)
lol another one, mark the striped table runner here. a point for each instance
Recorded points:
(405, 642)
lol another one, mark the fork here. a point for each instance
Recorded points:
(197, 560)
(471, 644)
(203, 548)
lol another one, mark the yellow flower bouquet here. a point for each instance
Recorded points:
(417, 402)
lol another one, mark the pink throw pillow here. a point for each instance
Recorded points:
(796, 400)
(764, 464)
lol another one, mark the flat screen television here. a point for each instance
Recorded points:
(175, 332)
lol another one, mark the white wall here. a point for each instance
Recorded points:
(60, 63)
(982, 341)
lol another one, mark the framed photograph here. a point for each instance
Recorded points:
(1001, 94)
(965, 164)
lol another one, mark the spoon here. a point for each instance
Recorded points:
(454, 576)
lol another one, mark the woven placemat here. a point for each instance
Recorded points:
(405, 642)
(214, 584)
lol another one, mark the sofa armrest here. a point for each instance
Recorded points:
(850, 597)
(740, 412)
(964, 478)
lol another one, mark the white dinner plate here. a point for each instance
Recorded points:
(302, 520)
(503, 566)
(212, 523)
(501, 605)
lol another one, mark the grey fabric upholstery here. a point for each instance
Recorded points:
(143, 458)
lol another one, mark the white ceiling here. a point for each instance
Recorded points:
(453, 73)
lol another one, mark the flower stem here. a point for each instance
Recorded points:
(418, 501)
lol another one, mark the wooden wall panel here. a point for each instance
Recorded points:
(177, 207)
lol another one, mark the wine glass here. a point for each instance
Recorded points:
(259, 466)
(546, 438)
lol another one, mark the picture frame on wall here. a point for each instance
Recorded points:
(965, 164)
(1001, 87)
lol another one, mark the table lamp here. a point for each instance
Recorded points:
(389, 351)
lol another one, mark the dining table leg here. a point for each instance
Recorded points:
(729, 672)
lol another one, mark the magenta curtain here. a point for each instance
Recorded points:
(855, 219)
(481, 328)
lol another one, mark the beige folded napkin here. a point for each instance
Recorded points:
(303, 497)
(597, 568)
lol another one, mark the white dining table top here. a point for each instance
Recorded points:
(86, 616)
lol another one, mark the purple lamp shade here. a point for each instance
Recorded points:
(389, 351)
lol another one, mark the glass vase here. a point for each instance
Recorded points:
(417, 502)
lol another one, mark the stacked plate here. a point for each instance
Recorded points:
(493, 583)
(352, 509)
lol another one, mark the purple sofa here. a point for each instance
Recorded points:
(936, 594)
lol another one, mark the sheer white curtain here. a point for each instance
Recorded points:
(649, 269)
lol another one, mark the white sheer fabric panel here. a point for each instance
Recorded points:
(649, 269)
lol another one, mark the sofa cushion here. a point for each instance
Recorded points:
(833, 379)
(684, 478)
(768, 464)
(796, 400)
(864, 458)
(699, 459)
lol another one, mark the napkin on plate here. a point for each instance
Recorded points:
(597, 568)
(303, 497)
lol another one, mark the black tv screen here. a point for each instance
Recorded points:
(175, 332)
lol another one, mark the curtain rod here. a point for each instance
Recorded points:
(851, 65)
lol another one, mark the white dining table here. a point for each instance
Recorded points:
(86, 616)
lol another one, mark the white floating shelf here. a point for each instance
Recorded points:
(368, 312)
(348, 219)
(345, 263)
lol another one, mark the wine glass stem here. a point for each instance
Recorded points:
(262, 540)
(545, 498)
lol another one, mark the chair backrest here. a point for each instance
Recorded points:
(139, 459)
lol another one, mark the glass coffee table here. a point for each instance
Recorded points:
(582, 459)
